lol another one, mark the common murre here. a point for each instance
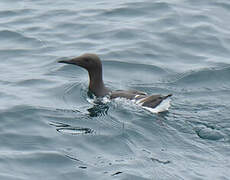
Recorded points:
(92, 63)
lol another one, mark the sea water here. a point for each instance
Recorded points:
(49, 130)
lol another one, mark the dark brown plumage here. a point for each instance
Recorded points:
(92, 63)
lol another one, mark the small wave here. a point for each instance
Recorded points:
(135, 9)
(137, 72)
(14, 39)
(68, 129)
(75, 130)
(18, 12)
(7, 34)
(135, 66)
(204, 78)
(224, 5)
(53, 14)
(160, 161)
(122, 11)
(209, 133)
(33, 82)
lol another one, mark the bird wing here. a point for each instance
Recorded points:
(153, 101)
(141, 97)
(129, 94)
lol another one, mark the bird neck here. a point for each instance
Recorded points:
(96, 84)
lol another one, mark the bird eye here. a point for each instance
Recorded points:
(86, 60)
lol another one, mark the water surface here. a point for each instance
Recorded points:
(49, 129)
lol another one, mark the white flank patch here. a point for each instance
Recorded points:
(163, 106)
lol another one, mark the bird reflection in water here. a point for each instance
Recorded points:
(98, 110)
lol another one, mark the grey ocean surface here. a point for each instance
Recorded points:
(48, 128)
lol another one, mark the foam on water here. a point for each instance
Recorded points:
(163, 106)
(178, 47)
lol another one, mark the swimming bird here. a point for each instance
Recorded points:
(92, 63)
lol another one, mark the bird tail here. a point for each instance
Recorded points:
(169, 95)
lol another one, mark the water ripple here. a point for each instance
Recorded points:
(179, 47)
(208, 78)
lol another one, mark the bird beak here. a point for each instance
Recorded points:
(75, 61)
(67, 61)
(79, 61)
